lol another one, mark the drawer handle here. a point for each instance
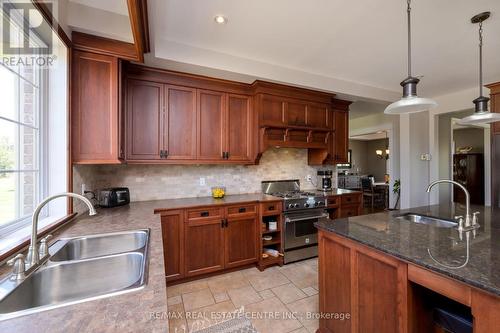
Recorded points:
(270, 208)
(349, 199)
(242, 210)
(204, 214)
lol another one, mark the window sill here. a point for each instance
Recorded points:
(19, 239)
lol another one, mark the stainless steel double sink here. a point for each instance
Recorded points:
(81, 269)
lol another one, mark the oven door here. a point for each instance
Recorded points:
(300, 230)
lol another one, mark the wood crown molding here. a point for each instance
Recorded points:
(494, 87)
(50, 19)
(138, 14)
(102, 45)
(278, 89)
(340, 104)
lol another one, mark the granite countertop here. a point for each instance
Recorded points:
(144, 310)
(169, 204)
(411, 241)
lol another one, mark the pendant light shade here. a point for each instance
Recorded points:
(410, 102)
(481, 114)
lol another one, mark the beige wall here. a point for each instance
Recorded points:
(473, 137)
(152, 182)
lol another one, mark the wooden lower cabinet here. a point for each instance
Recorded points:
(203, 246)
(209, 239)
(365, 285)
(172, 226)
(241, 241)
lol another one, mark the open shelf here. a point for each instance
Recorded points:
(276, 242)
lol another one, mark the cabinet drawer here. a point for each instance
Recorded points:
(333, 201)
(271, 208)
(348, 211)
(236, 210)
(348, 199)
(204, 213)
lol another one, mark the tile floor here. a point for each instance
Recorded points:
(277, 300)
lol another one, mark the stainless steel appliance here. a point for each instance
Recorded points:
(301, 210)
(113, 197)
(324, 180)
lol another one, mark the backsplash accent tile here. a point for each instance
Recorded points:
(152, 182)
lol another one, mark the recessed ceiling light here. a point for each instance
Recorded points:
(220, 19)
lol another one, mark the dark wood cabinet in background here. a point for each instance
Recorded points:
(495, 144)
(468, 170)
(95, 109)
(340, 145)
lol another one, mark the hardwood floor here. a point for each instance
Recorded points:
(270, 298)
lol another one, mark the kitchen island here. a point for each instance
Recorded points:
(378, 272)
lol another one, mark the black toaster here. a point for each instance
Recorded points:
(113, 197)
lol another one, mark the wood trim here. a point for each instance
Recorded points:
(106, 46)
(485, 311)
(277, 89)
(442, 285)
(49, 18)
(44, 231)
(494, 87)
(138, 14)
(69, 150)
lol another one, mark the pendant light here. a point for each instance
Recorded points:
(410, 102)
(481, 114)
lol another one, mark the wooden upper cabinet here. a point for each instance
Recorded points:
(295, 112)
(271, 111)
(341, 142)
(180, 123)
(318, 116)
(95, 113)
(239, 127)
(211, 125)
(144, 120)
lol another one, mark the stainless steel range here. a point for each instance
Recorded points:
(301, 210)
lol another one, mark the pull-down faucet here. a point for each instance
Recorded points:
(470, 219)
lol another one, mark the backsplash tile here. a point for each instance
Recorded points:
(152, 182)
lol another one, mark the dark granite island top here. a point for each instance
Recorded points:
(412, 241)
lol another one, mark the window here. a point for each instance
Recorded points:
(32, 139)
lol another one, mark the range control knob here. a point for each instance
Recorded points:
(306, 205)
(296, 205)
(319, 203)
(290, 206)
(316, 203)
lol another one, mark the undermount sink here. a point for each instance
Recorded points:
(80, 269)
(429, 220)
(97, 245)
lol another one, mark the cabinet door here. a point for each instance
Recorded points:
(144, 120)
(295, 113)
(239, 127)
(180, 123)
(341, 136)
(380, 293)
(334, 283)
(204, 249)
(211, 131)
(241, 241)
(318, 116)
(271, 110)
(172, 230)
(94, 108)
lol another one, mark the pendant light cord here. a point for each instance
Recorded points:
(481, 58)
(408, 12)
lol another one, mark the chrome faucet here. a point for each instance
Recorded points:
(33, 255)
(470, 219)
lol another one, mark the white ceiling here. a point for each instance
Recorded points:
(355, 48)
(114, 6)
